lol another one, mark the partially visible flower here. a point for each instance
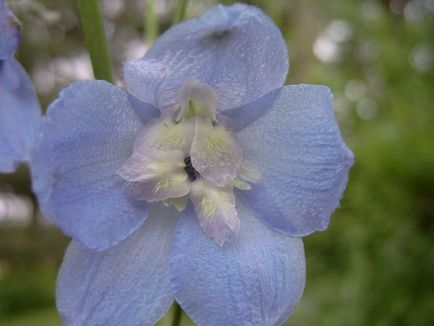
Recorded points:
(19, 107)
(206, 131)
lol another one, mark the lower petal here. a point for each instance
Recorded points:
(256, 278)
(124, 285)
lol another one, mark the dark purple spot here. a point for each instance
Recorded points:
(191, 171)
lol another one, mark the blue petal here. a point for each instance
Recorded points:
(256, 278)
(19, 115)
(85, 137)
(10, 32)
(125, 285)
(145, 111)
(244, 115)
(238, 50)
(302, 158)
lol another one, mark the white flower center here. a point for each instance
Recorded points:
(191, 155)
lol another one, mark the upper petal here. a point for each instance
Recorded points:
(124, 285)
(87, 134)
(238, 50)
(19, 115)
(256, 278)
(10, 32)
(297, 147)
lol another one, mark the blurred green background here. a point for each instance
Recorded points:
(375, 263)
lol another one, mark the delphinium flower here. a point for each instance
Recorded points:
(194, 184)
(19, 107)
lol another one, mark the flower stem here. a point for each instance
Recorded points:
(151, 30)
(180, 11)
(177, 315)
(94, 37)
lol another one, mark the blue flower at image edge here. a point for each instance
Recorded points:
(195, 184)
(19, 107)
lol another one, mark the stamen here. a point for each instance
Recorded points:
(191, 171)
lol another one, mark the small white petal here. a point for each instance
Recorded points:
(165, 134)
(152, 165)
(158, 176)
(214, 153)
(215, 210)
(179, 203)
(249, 172)
(197, 99)
(242, 185)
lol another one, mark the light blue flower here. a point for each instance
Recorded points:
(193, 185)
(19, 107)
